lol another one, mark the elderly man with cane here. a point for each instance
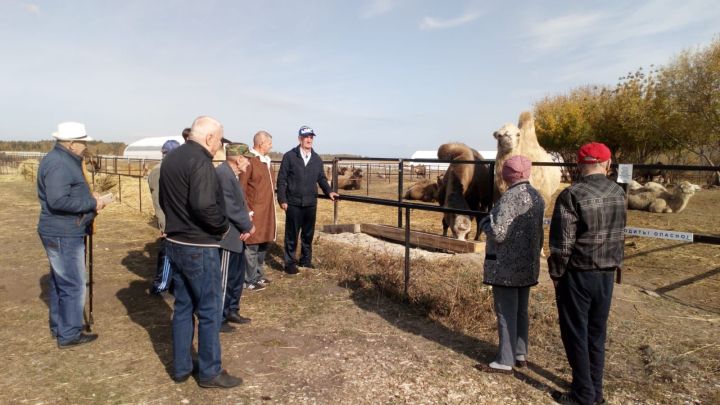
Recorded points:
(67, 209)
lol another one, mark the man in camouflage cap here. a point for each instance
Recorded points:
(241, 227)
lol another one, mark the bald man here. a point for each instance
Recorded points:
(192, 199)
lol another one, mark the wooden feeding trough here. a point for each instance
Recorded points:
(419, 239)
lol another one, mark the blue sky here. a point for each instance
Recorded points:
(372, 77)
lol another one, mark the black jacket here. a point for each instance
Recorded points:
(191, 197)
(297, 183)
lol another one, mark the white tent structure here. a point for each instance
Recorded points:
(149, 148)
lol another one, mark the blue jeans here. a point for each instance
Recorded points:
(67, 285)
(196, 283)
(232, 264)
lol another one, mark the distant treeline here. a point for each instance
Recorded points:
(110, 148)
(96, 147)
(669, 113)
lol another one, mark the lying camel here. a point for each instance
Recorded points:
(659, 201)
(424, 190)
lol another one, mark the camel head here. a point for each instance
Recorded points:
(508, 137)
(687, 188)
(460, 225)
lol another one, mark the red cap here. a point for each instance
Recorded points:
(593, 152)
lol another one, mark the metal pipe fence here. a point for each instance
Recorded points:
(403, 205)
(386, 170)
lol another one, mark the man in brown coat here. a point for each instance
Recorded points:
(257, 181)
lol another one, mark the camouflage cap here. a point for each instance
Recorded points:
(238, 149)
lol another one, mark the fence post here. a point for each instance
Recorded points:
(140, 192)
(400, 192)
(119, 188)
(407, 251)
(335, 188)
(367, 180)
(492, 184)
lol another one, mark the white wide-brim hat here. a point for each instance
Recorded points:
(71, 131)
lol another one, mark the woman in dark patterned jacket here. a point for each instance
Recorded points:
(512, 261)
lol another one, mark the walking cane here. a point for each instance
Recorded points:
(88, 310)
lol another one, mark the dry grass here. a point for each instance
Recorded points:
(660, 350)
(105, 182)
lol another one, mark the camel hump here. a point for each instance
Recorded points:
(455, 151)
(525, 120)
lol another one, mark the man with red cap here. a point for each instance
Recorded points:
(586, 248)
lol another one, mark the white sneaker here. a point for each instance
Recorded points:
(255, 287)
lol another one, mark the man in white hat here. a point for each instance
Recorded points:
(67, 208)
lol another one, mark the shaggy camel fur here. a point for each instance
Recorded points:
(465, 186)
(424, 190)
(351, 181)
(419, 170)
(661, 201)
(522, 140)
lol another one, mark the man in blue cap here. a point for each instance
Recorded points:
(301, 171)
(163, 275)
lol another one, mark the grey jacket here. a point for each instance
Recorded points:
(154, 184)
(235, 209)
(514, 230)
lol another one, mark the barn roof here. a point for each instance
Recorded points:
(157, 141)
(149, 148)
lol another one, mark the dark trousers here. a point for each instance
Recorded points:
(583, 301)
(299, 220)
(232, 270)
(163, 274)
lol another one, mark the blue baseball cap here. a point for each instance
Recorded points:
(306, 131)
(168, 146)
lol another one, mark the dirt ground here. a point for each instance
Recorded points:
(315, 338)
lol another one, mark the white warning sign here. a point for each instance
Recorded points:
(659, 234)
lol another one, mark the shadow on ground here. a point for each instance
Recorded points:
(413, 320)
(151, 312)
